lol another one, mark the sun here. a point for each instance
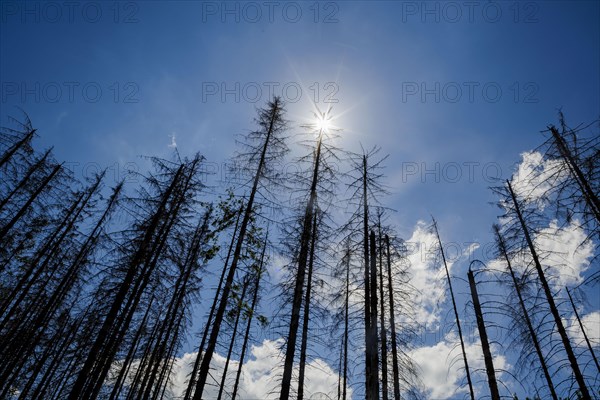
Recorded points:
(322, 123)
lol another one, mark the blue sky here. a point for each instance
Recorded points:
(395, 69)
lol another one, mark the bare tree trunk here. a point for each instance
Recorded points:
(124, 371)
(34, 270)
(339, 387)
(384, 354)
(192, 381)
(346, 323)
(177, 300)
(532, 332)
(373, 310)
(299, 287)
(460, 335)
(587, 341)
(214, 335)
(370, 393)
(149, 265)
(487, 354)
(557, 320)
(233, 336)
(250, 317)
(395, 367)
(124, 287)
(306, 321)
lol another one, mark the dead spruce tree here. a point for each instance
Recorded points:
(483, 336)
(523, 322)
(580, 156)
(259, 270)
(583, 330)
(396, 299)
(515, 209)
(570, 180)
(265, 147)
(231, 209)
(163, 205)
(48, 278)
(366, 189)
(315, 189)
(455, 308)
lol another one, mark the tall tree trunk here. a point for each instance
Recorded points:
(370, 391)
(531, 330)
(299, 286)
(70, 277)
(460, 335)
(395, 367)
(124, 287)
(214, 335)
(346, 322)
(259, 273)
(172, 314)
(485, 345)
(34, 269)
(557, 319)
(142, 365)
(124, 370)
(384, 354)
(587, 341)
(163, 381)
(233, 336)
(339, 388)
(306, 321)
(373, 310)
(191, 383)
(45, 383)
(78, 207)
(100, 372)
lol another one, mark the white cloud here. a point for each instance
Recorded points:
(564, 254)
(442, 368)
(261, 374)
(173, 144)
(425, 275)
(535, 176)
(591, 324)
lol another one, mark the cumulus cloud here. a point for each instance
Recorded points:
(535, 176)
(425, 275)
(566, 253)
(591, 324)
(261, 374)
(442, 369)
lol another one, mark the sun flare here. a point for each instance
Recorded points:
(322, 123)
